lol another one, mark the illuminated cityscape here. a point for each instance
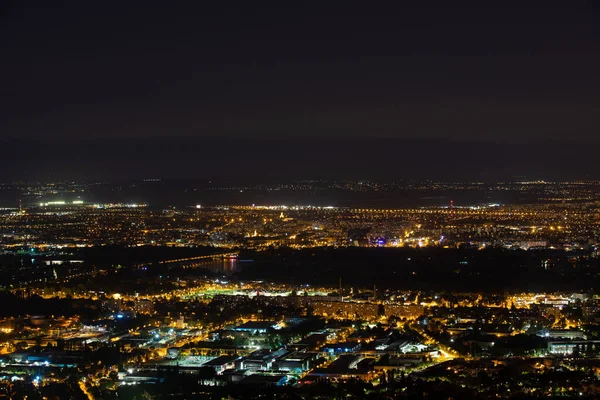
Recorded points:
(239, 200)
(126, 298)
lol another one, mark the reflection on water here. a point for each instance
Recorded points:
(223, 266)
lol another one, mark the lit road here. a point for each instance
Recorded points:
(446, 352)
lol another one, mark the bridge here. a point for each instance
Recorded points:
(200, 261)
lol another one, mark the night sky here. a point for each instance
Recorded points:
(81, 69)
(280, 90)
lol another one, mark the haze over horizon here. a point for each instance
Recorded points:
(382, 159)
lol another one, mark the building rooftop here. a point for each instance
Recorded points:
(256, 326)
(222, 360)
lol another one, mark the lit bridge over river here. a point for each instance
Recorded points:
(221, 262)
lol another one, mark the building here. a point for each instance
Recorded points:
(341, 348)
(144, 306)
(368, 311)
(263, 380)
(255, 327)
(222, 363)
(569, 347)
(567, 334)
(259, 360)
(296, 361)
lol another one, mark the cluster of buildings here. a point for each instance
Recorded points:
(125, 295)
(562, 215)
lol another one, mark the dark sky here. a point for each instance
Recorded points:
(96, 69)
